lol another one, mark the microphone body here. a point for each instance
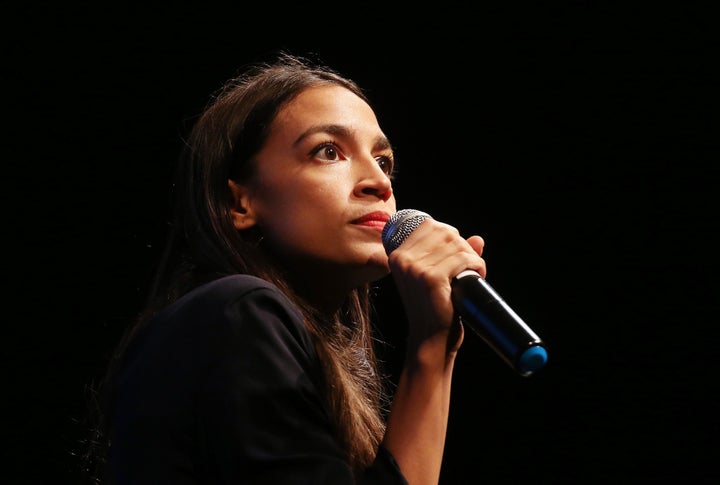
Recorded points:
(480, 307)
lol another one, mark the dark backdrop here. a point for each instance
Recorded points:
(579, 139)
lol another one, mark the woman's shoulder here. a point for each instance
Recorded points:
(234, 304)
(213, 296)
(231, 287)
(229, 315)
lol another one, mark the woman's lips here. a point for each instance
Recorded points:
(376, 219)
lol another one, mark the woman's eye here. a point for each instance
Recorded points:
(386, 164)
(327, 151)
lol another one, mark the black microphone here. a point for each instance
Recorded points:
(479, 305)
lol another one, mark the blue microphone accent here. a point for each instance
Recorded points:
(533, 359)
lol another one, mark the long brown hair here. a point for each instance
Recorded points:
(203, 245)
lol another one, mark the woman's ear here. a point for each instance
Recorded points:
(243, 217)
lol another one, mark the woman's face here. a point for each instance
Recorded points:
(322, 192)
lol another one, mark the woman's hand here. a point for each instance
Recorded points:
(423, 267)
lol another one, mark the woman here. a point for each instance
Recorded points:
(254, 360)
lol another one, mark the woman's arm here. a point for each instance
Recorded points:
(423, 267)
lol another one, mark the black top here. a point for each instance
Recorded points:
(224, 386)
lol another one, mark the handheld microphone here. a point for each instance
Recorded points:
(480, 307)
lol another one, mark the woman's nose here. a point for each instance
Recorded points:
(374, 181)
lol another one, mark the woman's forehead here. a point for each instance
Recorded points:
(326, 104)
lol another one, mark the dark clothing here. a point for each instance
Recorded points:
(224, 387)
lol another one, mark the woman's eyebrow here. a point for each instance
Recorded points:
(381, 141)
(332, 129)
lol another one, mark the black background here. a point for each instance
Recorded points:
(579, 139)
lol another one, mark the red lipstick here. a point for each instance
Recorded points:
(375, 219)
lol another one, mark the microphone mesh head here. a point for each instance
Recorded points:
(399, 227)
